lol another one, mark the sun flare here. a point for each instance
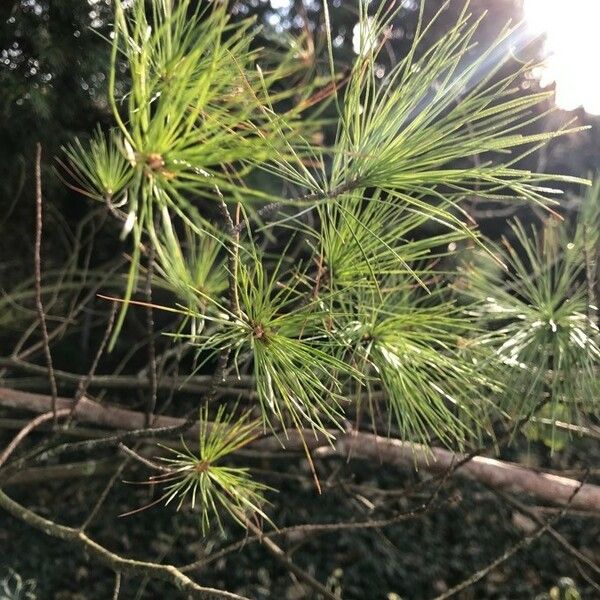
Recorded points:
(572, 46)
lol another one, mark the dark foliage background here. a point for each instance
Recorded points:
(53, 60)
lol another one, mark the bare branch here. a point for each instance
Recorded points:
(84, 382)
(117, 586)
(114, 561)
(101, 499)
(496, 473)
(38, 275)
(142, 459)
(75, 470)
(43, 418)
(561, 540)
(311, 529)
(195, 384)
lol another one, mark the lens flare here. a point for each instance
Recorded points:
(572, 46)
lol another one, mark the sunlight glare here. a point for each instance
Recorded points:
(572, 45)
(281, 4)
(364, 37)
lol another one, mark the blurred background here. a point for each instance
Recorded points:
(53, 62)
(53, 66)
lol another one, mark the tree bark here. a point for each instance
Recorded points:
(496, 473)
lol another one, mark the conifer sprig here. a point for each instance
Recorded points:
(198, 477)
(299, 377)
(542, 316)
(416, 348)
(443, 103)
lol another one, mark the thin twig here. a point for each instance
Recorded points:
(38, 275)
(104, 494)
(28, 429)
(142, 459)
(274, 207)
(311, 529)
(286, 561)
(114, 561)
(523, 543)
(194, 384)
(566, 545)
(115, 440)
(84, 382)
(19, 354)
(234, 233)
(117, 588)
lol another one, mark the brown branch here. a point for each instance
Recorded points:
(88, 411)
(84, 382)
(495, 473)
(498, 474)
(38, 274)
(180, 427)
(459, 461)
(65, 471)
(196, 384)
(79, 432)
(114, 561)
(43, 418)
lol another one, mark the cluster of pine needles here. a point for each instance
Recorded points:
(345, 296)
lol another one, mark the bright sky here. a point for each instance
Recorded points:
(572, 32)
(572, 43)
